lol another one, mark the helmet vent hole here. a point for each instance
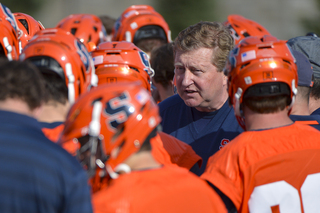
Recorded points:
(113, 53)
(95, 29)
(135, 69)
(73, 31)
(244, 65)
(246, 34)
(286, 61)
(265, 47)
(25, 24)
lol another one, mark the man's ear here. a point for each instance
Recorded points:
(225, 80)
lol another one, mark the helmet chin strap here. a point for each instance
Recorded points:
(94, 131)
(71, 80)
(128, 36)
(169, 36)
(120, 168)
(237, 108)
(294, 91)
(8, 48)
(94, 77)
(237, 97)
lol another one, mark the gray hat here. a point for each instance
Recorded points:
(310, 47)
(305, 72)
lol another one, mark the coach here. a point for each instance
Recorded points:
(200, 114)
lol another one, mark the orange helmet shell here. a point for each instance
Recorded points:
(86, 27)
(259, 60)
(133, 9)
(69, 52)
(9, 34)
(242, 27)
(133, 20)
(121, 61)
(121, 115)
(28, 25)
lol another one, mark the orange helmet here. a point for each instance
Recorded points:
(258, 61)
(28, 27)
(110, 123)
(242, 27)
(9, 34)
(122, 61)
(139, 23)
(88, 28)
(59, 51)
(133, 9)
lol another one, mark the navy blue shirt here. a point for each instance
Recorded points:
(38, 175)
(311, 118)
(205, 132)
(316, 112)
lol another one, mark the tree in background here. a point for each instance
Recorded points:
(180, 14)
(312, 24)
(24, 6)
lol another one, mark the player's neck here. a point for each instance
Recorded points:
(256, 121)
(18, 106)
(54, 112)
(300, 107)
(313, 104)
(164, 92)
(141, 161)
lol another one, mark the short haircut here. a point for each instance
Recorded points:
(53, 78)
(162, 62)
(304, 93)
(56, 89)
(315, 89)
(267, 103)
(212, 35)
(21, 80)
(107, 22)
(148, 44)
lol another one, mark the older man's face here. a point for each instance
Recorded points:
(198, 82)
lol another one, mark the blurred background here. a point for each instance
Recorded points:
(282, 18)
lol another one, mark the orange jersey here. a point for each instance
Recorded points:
(168, 149)
(274, 170)
(52, 131)
(166, 189)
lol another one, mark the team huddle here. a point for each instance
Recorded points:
(112, 115)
